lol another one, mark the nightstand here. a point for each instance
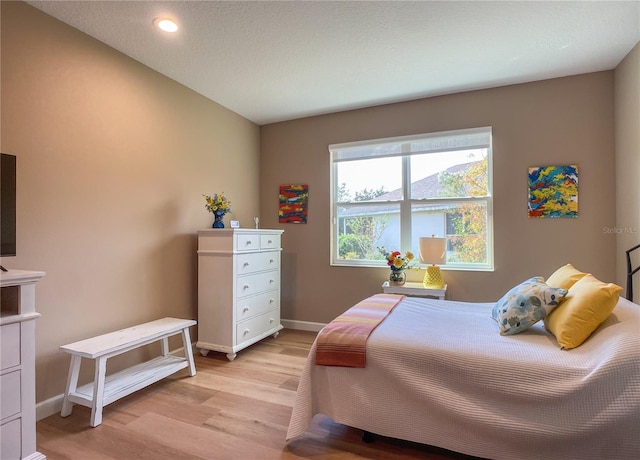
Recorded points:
(414, 290)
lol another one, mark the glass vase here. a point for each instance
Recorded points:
(397, 278)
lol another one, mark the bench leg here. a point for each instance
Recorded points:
(188, 352)
(98, 391)
(72, 385)
(164, 345)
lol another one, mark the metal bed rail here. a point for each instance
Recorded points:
(630, 272)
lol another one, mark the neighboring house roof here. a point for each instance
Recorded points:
(428, 187)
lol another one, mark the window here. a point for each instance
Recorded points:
(390, 192)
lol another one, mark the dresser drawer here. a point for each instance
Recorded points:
(10, 433)
(247, 242)
(9, 345)
(257, 262)
(258, 283)
(253, 327)
(269, 241)
(10, 394)
(256, 305)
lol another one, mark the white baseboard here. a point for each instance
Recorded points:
(49, 407)
(302, 325)
(53, 405)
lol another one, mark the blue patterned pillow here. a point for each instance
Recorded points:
(525, 305)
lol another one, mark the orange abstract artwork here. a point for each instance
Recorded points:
(293, 204)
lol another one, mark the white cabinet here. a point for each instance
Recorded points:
(17, 365)
(415, 290)
(238, 288)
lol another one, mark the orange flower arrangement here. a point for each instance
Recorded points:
(396, 261)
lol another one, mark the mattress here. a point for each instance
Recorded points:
(439, 373)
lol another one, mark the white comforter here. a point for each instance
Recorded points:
(439, 373)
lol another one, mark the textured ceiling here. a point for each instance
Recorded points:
(278, 60)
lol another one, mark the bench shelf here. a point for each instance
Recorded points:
(130, 380)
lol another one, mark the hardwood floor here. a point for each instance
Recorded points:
(229, 411)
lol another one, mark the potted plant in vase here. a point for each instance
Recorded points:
(398, 264)
(218, 205)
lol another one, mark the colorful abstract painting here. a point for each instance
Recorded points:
(293, 204)
(553, 191)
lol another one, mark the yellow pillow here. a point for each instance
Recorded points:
(565, 277)
(587, 304)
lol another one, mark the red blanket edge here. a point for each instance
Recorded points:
(342, 342)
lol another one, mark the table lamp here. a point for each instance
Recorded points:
(433, 251)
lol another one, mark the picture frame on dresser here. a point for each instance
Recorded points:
(238, 288)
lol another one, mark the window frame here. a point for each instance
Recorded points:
(406, 203)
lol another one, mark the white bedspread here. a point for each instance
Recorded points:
(439, 373)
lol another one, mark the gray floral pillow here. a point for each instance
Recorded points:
(525, 305)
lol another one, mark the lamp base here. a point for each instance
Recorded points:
(433, 278)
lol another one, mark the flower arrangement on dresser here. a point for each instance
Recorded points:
(398, 263)
(218, 205)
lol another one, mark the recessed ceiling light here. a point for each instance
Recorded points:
(166, 24)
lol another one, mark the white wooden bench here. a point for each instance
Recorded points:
(106, 389)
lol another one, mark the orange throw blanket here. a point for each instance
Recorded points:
(342, 341)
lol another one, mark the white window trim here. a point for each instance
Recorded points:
(475, 138)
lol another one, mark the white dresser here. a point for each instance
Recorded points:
(238, 288)
(17, 365)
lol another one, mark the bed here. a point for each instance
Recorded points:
(438, 373)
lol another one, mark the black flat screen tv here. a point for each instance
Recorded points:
(7, 205)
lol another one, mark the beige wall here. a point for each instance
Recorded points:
(561, 121)
(627, 136)
(112, 161)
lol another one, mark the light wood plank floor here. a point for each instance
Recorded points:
(230, 410)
